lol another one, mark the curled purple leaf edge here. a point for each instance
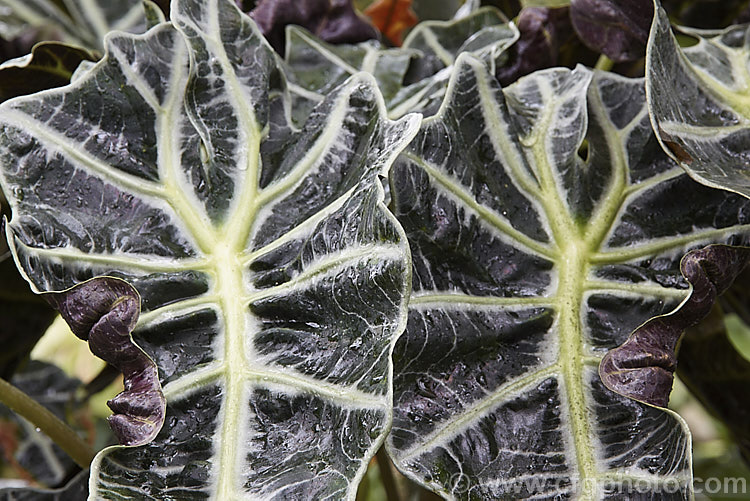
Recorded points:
(643, 367)
(104, 311)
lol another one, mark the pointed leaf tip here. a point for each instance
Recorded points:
(104, 312)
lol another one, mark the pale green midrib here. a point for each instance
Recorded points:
(493, 219)
(168, 161)
(572, 275)
(498, 134)
(226, 245)
(606, 212)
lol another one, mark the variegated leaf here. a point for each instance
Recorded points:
(412, 78)
(698, 100)
(530, 263)
(273, 278)
(85, 23)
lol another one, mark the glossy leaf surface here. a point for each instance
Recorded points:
(412, 78)
(530, 263)
(698, 100)
(83, 22)
(272, 277)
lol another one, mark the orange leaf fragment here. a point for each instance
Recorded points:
(392, 18)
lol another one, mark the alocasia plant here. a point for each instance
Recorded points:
(413, 78)
(273, 278)
(84, 23)
(529, 264)
(698, 101)
(534, 227)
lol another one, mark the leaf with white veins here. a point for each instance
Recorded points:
(530, 263)
(273, 279)
(412, 78)
(85, 22)
(699, 102)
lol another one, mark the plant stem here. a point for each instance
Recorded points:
(386, 475)
(28, 408)
(604, 63)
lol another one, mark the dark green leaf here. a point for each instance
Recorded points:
(273, 279)
(82, 22)
(48, 66)
(699, 104)
(412, 79)
(530, 263)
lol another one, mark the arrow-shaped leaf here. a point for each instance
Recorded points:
(272, 277)
(530, 263)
